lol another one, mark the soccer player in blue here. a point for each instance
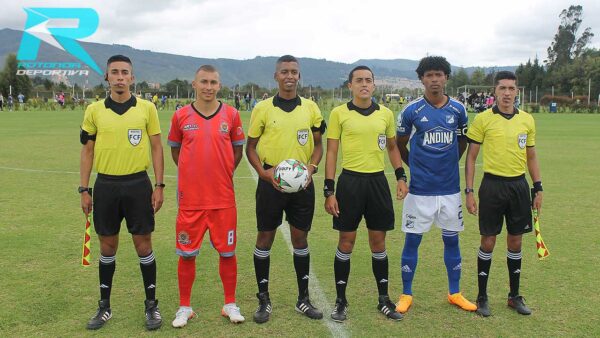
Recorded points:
(438, 127)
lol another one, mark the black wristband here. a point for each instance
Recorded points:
(328, 187)
(537, 186)
(159, 185)
(400, 174)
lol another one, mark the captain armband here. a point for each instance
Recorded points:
(461, 131)
(84, 137)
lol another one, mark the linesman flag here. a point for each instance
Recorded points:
(542, 251)
(85, 253)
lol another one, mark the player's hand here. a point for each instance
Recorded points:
(86, 203)
(157, 199)
(401, 190)
(471, 204)
(331, 206)
(311, 171)
(268, 175)
(537, 202)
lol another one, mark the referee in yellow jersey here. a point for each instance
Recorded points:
(365, 130)
(285, 126)
(507, 137)
(117, 135)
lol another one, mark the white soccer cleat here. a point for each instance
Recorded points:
(232, 311)
(182, 316)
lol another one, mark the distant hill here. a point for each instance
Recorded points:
(162, 67)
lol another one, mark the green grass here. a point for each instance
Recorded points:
(45, 291)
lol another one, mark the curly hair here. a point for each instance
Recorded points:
(433, 63)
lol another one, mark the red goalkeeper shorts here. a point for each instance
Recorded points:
(192, 224)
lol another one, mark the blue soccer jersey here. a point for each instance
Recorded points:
(433, 157)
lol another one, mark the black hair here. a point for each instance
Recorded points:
(433, 63)
(287, 58)
(116, 58)
(351, 75)
(504, 75)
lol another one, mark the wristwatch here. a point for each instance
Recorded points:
(469, 190)
(159, 185)
(316, 168)
(81, 190)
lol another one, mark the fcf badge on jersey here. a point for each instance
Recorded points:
(381, 141)
(303, 136)
(522, 141)
(135, 136)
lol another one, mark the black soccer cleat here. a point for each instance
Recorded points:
(483, 307)
(340, 311)
(103, 314)
(263, 312)
(388, 308)
(306, 308)
(153, 318)
(518, 303)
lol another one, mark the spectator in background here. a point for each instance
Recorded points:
(21, 99)
(163, 102)
(237, 101)
(155, 100)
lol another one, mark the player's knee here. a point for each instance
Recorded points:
(264, 240)
(346, 245)
(488, 243)
(514, 243)
(299, 243)
(346, 241)
(376, 242)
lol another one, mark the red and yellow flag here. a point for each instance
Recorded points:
(85, 253)
(542, 251)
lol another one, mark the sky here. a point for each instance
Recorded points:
(467, 33)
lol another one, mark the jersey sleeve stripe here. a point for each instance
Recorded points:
(174, 144)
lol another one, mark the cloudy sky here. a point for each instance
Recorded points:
(468, 33)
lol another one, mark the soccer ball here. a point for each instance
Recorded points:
(291, 175)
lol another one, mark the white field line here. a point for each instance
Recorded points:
(318, 296)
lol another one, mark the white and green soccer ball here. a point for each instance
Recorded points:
(291, 175)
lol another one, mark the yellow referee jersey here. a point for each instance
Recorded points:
(122, 141)
(363, 138)
(504, 140)
(284, 135)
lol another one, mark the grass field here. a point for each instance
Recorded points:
(45, 291)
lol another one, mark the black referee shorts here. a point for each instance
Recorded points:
(299, 207)
(118, 197)
(504, 198)
(363, 194)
